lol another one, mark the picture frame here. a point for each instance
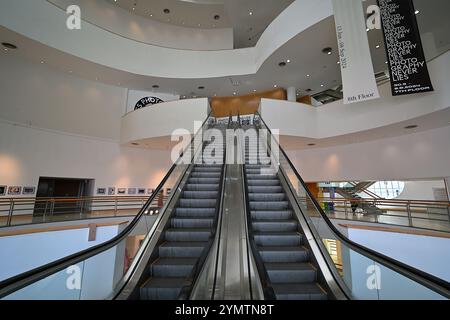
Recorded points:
(121, 191)
(14, 190)
(132, 191)
(3, 190)
(111, 191)
(29, 190)
(150, 191)
(101, 191)
(141, 191)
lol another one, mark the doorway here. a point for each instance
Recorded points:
(55, 188)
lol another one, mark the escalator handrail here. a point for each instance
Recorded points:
(430, 281)
(22, 280)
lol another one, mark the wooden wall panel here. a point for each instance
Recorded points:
(248, 104)
(305, 100)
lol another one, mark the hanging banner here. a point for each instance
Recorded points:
(407, 64)
(358, 78)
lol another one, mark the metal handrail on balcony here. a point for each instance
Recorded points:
(24, 211)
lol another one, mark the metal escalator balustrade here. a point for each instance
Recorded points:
(106, 270)
(363, 273)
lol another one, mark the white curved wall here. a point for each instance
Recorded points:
(336, 119)
(423, 155)
(162, 119)
(45, 23)
(124, 23)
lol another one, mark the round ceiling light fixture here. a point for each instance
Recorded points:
(216, 17)
(166, 11)
(327, 50)
(8, 45)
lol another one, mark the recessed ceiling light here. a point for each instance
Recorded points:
(327, 50)
(308, 75)
(386, 62)
(417, 12)
(250, 13)
(275, 86)
(288, 61)
(254, 90)
(199, 25)
(377, 46)
(166, 11)
(338, 62)
(413, 126)
(234, 93)
(322, 85)
(367, 29)
(70, 71)
(42, 61)
(8, 45)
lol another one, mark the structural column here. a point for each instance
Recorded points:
(292, 94)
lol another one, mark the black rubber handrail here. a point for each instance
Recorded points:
(432, 282)
(22, 280)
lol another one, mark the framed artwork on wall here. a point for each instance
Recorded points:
(111, 191)
(121, 191)
(131, 190)
(141, 191)
(150, 191)
(2, 191)
(29, 190)
(101, 191)
(14, 190)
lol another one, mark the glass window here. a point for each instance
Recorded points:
(388, 189)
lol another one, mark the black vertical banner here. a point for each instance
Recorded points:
(407, 64)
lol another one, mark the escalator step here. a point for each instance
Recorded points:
(299, 291)
(202, 187)
(192, 222)
(162, 288)
(172, 267)
(284, 254)
(190, 235)
(275, 225)
(262, 183)
(200, 194)
(195, 212)
(271, 215)
(278, 238)
(266, 196)
(182, 249)
(197, 203)
(269, 205)
(291, 272)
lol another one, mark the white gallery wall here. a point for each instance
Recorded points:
(57, 125)
(422, 155)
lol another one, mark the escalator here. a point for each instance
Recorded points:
(190, 229)
(288, 229)
(280, 242)
(277, 236)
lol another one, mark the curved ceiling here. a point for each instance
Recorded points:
(308, 69)
(248, 19)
